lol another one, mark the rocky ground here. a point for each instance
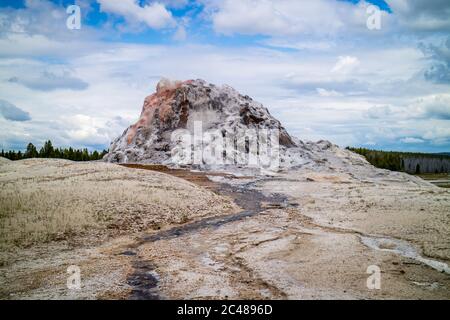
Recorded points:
(302, 234)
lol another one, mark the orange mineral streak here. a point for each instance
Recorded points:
(160, 102)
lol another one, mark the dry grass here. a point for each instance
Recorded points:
(4, 161)
(434, 176)
(45, 200)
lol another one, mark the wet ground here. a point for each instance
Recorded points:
(250, 200)
(274, 249)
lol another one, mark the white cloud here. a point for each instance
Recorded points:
(176, 4)
(318, 45)
(380, 112)
(439, 54)
(288, 17)
(377, 92)
(180, 34)
(154, 15)
(328, 93)
(422, 15)
(345, 64)
(439, 134)
(45, 19)
(83, 129)
(411, 140)
(48, 80)
(119, 78)
(435, 106)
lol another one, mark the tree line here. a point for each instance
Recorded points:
(401, 161)
(48, 151)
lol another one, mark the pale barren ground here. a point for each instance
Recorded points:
(54, 213)
(317, 250)
(4, 160)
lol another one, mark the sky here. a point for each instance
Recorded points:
(316, 65)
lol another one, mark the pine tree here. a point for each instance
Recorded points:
(95, 155)
(48, 151)
(85, 155)
(70, 154)
(31, 151)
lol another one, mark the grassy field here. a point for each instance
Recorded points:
(434, 176)
(45, 200)
(440, 179)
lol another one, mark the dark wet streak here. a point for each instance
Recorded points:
(142, 280)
